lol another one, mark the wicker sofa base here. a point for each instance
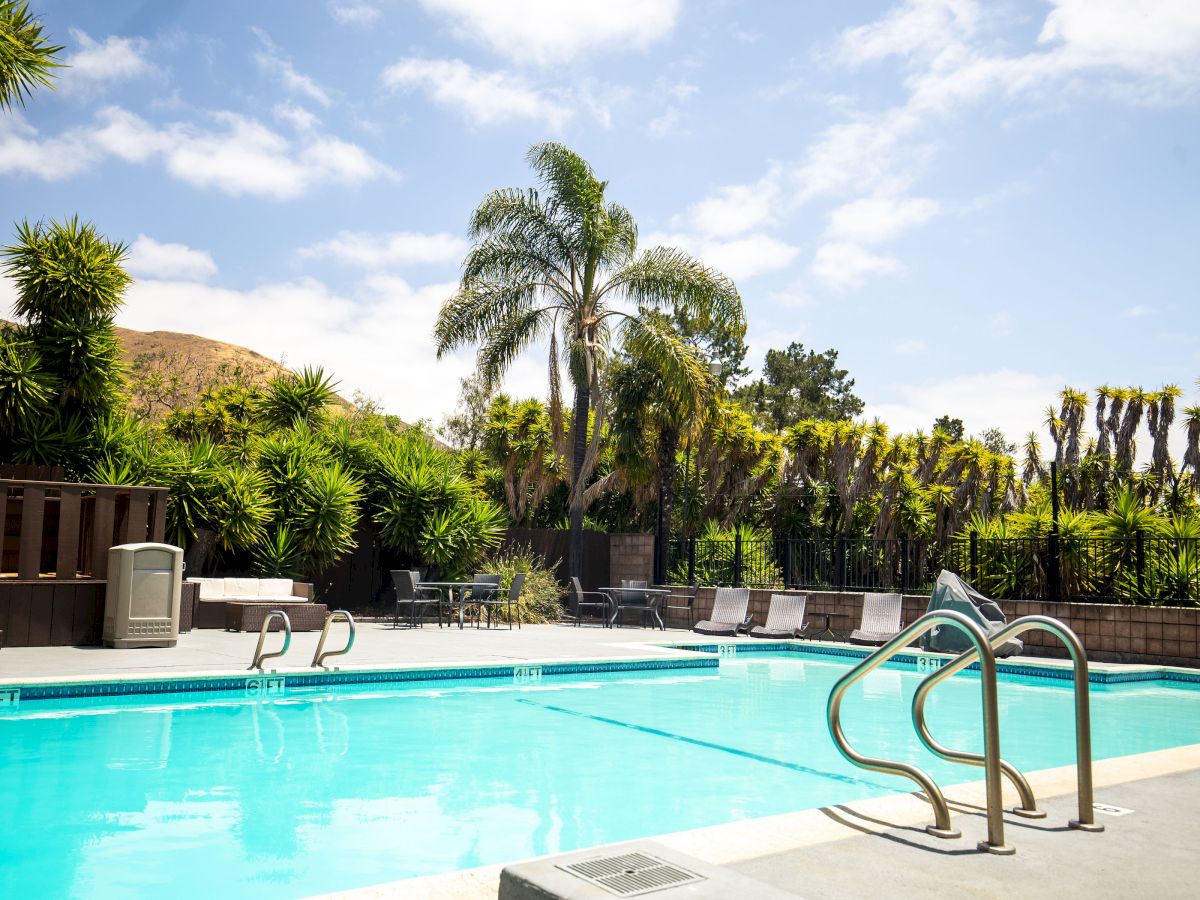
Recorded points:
(248, 615)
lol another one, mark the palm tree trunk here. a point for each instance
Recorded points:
(668, 444)
(579, 435)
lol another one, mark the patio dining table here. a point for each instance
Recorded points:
(654, 599)
(463, 587)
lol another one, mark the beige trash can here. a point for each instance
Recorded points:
(141, 607)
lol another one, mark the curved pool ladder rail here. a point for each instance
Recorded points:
(318, 659)
(942, 826)
(1083, 718)
(259, 656)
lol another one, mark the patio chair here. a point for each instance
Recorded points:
(685, 601)
(632, 599)
(785, 618)
(581, 602)
(728, 615)
(412, 598)
(485, 593)
(880, 619)
(507, 599)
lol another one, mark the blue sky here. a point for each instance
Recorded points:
(975, 203)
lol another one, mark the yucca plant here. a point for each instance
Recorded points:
(298, 398)
(278, 555)
(27, 58)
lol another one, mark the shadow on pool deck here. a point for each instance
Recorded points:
(1150, 852)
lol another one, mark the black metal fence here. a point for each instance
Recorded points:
(1139, 569)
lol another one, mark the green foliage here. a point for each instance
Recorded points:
(541, 594)
(279, 555)
(26, 389)
(799, 384)
(716, 556)
(298, 398)
(950, 426)
(27, 58)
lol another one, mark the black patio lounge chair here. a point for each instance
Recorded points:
(582, 602)
(785, 618)
(880, 619)
(683, 602)
(411, 599)
(728, 615)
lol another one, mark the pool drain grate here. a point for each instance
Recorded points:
(631, 874)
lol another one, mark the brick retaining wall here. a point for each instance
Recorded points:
(1158, 635)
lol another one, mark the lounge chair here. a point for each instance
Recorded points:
(728, 615)
(880, 619)
(785, 618)
(685, 601)
(411, 598)
(581, 602)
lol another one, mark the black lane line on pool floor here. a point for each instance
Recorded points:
(757, 757)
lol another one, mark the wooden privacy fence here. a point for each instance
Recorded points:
(60, 531)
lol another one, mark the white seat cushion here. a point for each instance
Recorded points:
(210, 588)
(242, 588)
(275, 587)
(280, 598)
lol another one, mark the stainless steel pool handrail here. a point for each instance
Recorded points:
(991, 727)
(318, 659)
(259, 656)
(1083, 718)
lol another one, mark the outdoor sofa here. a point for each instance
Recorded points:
(240, 604)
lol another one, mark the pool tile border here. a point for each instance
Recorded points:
(253, 680)
(910, 660)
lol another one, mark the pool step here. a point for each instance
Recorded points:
(633, 869)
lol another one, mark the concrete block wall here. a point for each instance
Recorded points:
(630, 556)
(1155, 635)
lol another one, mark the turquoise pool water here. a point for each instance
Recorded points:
(334, 788)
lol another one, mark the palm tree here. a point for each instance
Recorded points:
(562, 264)
(27, 59)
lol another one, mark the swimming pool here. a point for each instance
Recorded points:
(331, 787)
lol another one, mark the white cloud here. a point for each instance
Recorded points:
(152, 259)
(910, 346)
(241, 156)
(353, 12)
(375, 251)
(1138, 311)
(840, 264)
(879, 218)
(484, 98)
(794, 295)
(99, 63)
(272, 61)
(665, 124)
(736, 208)
(296, 116)
(740, 258)
(551, 31)
(920, 27)
(1009, 400)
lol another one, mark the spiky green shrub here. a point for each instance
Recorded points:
(541, 594)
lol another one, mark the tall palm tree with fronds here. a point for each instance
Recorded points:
(27, 58)
(562, 264)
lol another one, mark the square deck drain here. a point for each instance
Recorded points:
(631, 874)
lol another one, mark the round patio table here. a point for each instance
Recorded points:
(654, 598)
(828, 629)
(450, 587)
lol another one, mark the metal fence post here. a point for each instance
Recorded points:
(903, 562)
(1140, 562)
(737, 559)
(841, 563)
(691, 558)
(974, 556)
